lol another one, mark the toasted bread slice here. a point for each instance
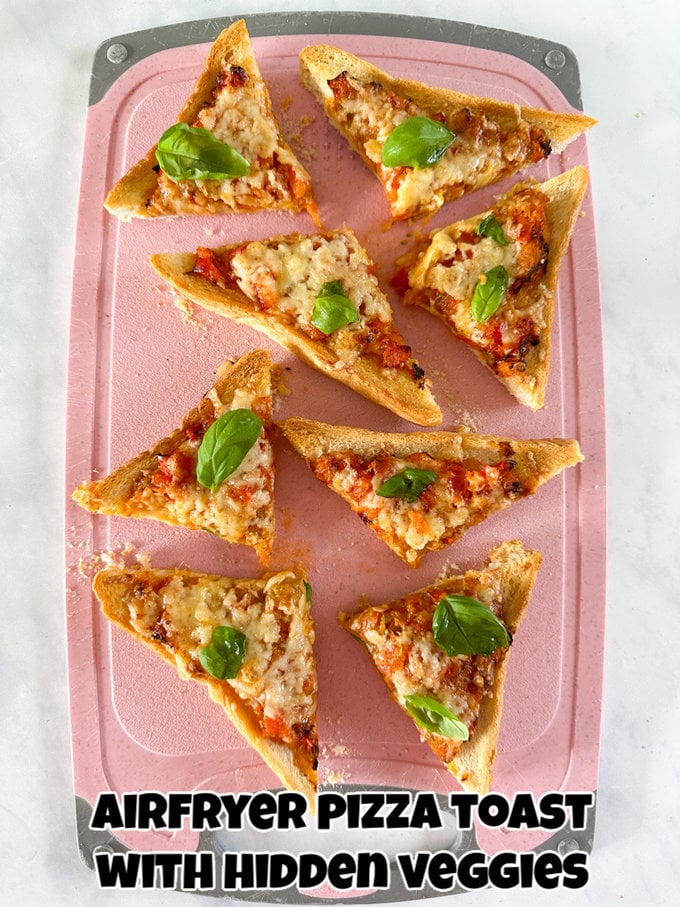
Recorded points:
(174, 613)
(522, 239)
(273, 285)
(469, 686)
(230, 101)
(162, 482)
(440, 483)
(493, 139)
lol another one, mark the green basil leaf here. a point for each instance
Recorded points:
(225, 445)
(192, 153)
(430, 714)
(410, 483)
(490, 227)
(464, 626)
(225, 653)
(308, 590)
(332, 309)
(418, 142)
(489, 294)
(333, 288)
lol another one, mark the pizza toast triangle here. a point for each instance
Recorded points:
(231, 101)
(464, 477)
(442, 272)
(493, 139)
(272, 286)
(504, 585)
(161, 483)
(174, 613)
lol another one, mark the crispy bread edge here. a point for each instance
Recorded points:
(546, 456)
(397, 392)
(473, 765)
(109, 586)
(321, 62)
(107, 495)
(128, 198)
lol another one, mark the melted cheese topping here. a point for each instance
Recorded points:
(278, 675)
(239, 510)
(240, 117)
(446, 275)
(457, 499)
(480, 154)
(471, 260)
(289, 276)
(400, 640)
(459, 281)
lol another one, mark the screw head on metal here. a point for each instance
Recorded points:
(555, 59)
(102, 848)
(117, 53)
(567, 845)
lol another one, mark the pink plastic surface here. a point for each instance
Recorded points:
(138, 364)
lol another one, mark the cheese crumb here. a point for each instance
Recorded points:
(336, 778)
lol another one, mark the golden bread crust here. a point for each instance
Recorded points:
(114, 494)
(392, 388)
(541, 459)
(534, 462)
(321, 63)
(131, 195)
(515, 569)
(117, 591)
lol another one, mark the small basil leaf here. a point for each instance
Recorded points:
(225, 445)
(333, 288)
(491, 228)
(410, 483)
(308, 590)
(332, 309)
(464, 626)
(489, 294)
(430, 714)
(192, 153)
(225, 653)
(418, 142)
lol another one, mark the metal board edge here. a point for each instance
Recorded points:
(556, 61)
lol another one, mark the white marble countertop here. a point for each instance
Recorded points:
(631, 82)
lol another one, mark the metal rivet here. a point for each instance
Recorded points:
(555, 59)
(568, 845)
(102, 848)
(117, 53)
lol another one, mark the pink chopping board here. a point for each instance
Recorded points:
(138, 363)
